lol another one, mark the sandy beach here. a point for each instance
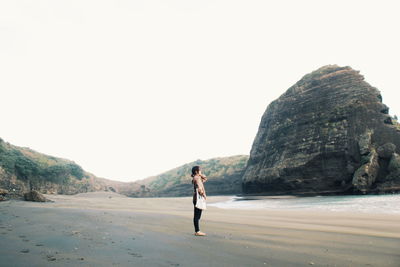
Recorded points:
(107, 229)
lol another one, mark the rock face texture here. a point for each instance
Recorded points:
(329, 133)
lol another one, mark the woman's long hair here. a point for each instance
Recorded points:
(195, 169)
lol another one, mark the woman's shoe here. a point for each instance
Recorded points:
(200, 233)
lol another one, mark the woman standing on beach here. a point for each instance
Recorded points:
(197, 180)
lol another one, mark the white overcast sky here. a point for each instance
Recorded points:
(129, 89)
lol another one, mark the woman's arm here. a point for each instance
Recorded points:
(200, 187)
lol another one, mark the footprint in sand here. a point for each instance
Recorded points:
(51, 258)
(137, 255)
(173, 263)
(23, 237)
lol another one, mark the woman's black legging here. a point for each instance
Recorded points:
(196, 218)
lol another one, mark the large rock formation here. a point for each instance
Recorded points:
(329, 133)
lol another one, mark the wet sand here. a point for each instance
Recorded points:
(107, 229)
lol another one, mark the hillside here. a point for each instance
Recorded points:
(224, 177)
(22, 169)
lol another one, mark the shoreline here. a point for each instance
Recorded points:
(107, 229)
(392, 191)
(366, 204)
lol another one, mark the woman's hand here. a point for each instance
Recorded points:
(202, 193)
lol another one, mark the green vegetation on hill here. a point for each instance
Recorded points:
(22, 169)
(36, 168)
(215, 169)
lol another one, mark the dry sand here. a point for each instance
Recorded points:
(107, 229)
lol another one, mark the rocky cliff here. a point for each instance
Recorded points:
(329, 133)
